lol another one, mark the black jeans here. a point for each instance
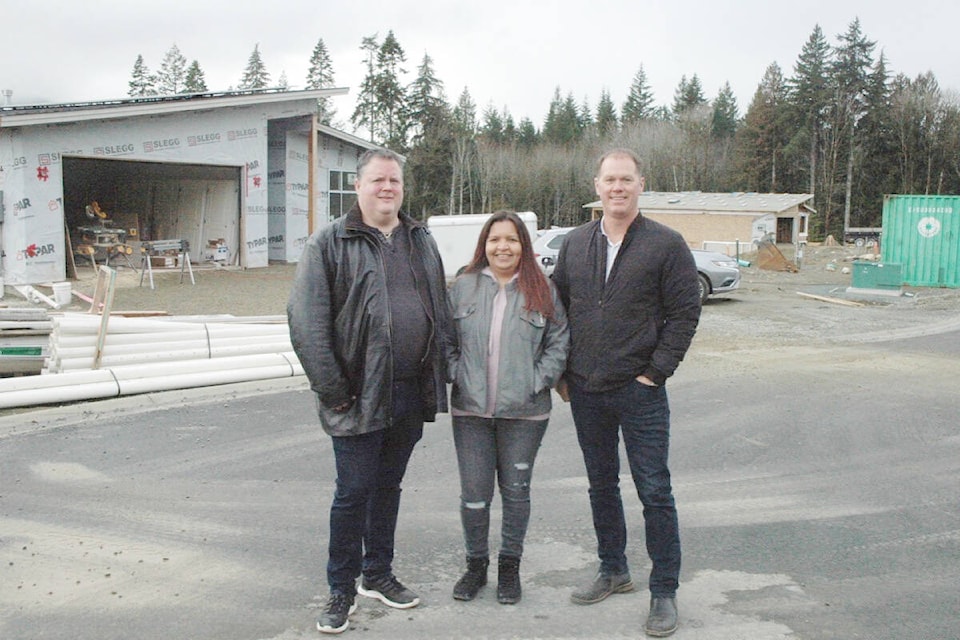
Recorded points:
(643, 414)
(363, 516)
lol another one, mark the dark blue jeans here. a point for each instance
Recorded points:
(642, 413)
(490, 449)
(363, 516)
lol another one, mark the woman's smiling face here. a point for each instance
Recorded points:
(503, 249)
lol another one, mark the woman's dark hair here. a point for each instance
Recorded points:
(531, 280)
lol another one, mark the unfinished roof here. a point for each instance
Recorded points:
(27, 115)
(699, 202)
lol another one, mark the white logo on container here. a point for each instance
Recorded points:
(928, 227)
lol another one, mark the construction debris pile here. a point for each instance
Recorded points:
(24, 340)
(770, 257)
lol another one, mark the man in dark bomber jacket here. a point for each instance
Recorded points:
(629, 285)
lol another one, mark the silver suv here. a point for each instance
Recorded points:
(719, 273)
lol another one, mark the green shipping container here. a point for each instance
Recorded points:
(922, 233)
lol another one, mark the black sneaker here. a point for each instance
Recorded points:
(334, 618)
(388, 590)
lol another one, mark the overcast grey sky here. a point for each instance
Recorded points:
(509, 53)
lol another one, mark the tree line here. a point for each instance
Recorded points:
(840, 126)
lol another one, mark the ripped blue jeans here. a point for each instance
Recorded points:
(501, 450)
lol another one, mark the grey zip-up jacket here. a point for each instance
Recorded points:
(339, 319)
(533, 349)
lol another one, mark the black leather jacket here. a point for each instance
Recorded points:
(339, 320)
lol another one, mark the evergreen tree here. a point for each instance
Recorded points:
(725, 113)
(662, 113)
(391, 105)
(551, 123)
(255, 76)
(877, 169)
(320, 76)
(527, 134)
(365, 111)
(693, 117)
(584, 116)
(510, 131)
(282, 82)
(142, 83)
(810, 98)
(429, 170)
(849, 76)
(427, 106)
(761, 139)
(172, 76)
(563, 124)
(724, 122)
(688, 94)
(850, 69)
(195, 81)
(465, 114)
(606, 114)
(491, 130)
(639, 103)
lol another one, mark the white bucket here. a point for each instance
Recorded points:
(62, 293)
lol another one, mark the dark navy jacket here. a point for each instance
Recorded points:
(639, 322)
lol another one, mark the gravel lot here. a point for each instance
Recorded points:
(218, 290)
(769, 307)
(778, 307)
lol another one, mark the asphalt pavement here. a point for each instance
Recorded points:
(817, 498)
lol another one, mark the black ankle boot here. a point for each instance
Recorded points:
(508, 582)
(471, 581)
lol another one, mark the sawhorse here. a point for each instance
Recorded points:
(181, 246)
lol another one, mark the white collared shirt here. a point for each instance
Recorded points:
(612, 249)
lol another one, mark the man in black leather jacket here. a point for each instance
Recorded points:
(370, 324)
(629, 285)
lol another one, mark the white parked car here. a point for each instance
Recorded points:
(546, 246)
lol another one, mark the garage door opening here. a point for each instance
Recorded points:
(111, 205)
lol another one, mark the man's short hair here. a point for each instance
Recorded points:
(621, 151)
(377, 152)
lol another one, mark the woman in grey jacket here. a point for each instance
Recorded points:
(512, 348)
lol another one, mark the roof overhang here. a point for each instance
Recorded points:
(23, 116)
(753, 204)
(346, 137)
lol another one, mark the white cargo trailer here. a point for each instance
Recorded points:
(457, 236)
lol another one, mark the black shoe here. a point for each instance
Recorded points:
(334, 618)
(469, 584)
(662, 620)
(388, 590)
(508, 580)
(603, 585)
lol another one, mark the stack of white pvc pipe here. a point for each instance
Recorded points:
(129, 341)
(141, 355)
